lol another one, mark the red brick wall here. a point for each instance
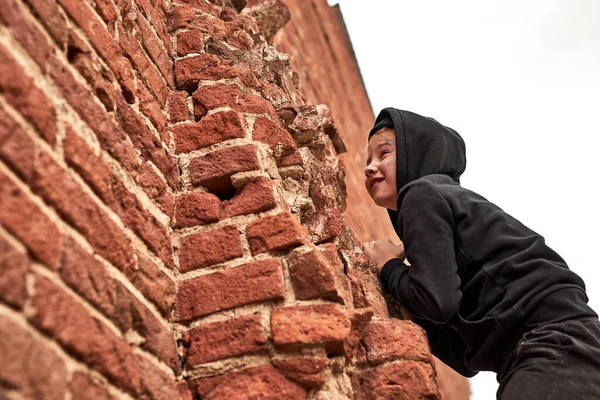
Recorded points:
(171, 215)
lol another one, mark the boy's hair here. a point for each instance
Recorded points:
(384, 123)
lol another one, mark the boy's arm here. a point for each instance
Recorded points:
(430, 287)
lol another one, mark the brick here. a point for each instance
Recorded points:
(203, 249)
(249, 283)
(106, 46)
(210, 130)
(388, 339)
(49, 14)
(365, 284)
(16, 148)
(13, 270)
(263, 382)
(278, 232)
(275, 135)
(325, 226)
(305, 371)
(189, 71)
(131, 314)
(312, 276)
(83, 387)
(179, 17)
(155, 13)
(155, 285)
(359, 320)
(25, 32)
(108, 12)
(76, 207)
(20, 92)
(153, 111)
(151, 76)
(185, 393)
(255, 196)
(110, 135)
(156, 188)
(344, 288)
(400, 380)
(225, 339)
(219, 95)
(198, 208)
(178, 107)
(155, 49)
(146, 143)
(191, 41)
(26, 221)
(29, 366)
(85, 61)
(293, 159)
(154, 383)
(87, 338)
(87, 276)
(214, 169)
(325, 324)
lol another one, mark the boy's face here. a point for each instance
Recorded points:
(380, 174)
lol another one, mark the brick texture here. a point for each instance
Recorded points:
(173, 207)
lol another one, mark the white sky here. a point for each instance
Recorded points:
(520, 81)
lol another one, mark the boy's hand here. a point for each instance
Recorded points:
(381, 251)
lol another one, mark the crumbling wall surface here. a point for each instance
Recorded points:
(171, 215)
(321, 52)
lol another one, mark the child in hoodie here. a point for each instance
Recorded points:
(491, 295)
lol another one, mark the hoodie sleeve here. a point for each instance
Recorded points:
(430, 287)
(447, 345)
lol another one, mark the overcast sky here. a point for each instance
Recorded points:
(520, 81)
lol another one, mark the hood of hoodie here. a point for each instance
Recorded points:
(423, 147)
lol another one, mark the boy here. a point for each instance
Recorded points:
(487, 290)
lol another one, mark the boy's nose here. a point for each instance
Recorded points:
(370, 171)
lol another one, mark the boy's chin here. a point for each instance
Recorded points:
(385, 202)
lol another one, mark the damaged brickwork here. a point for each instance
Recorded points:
(171, 215)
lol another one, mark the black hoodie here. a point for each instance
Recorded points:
(479, 279)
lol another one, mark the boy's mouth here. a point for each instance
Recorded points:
(375, 181)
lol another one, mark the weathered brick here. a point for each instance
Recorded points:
(191, 41)
(151, 76)
(214, 96)
(110, 135)
(148, 145)
(305, 371)
(214, 169)
(155, 12)
(203, 249)
(77, 208)
(293, 159)
(249, 283)
(155, 285)
(108, 12)
(210, 130)
(87, 276)
(365, 284)
(255, 196)
(13, 270)
(325, 226)
(388, 339)
(263, 382)
(312, 276)
(154, 383)
(344, 288)
(16, 148)
(196, 208)
(85, 61)
(20, 91)
(106, 46)
(225, 339)
(153, 111)
(25, 32)
(189, 71)
(24, 219)
(68, 322)
(155, 49)
(275, 135)
(399, 380)
(278, 232)
(49, 14)
(29, 366)
(178, 107)
(155, 187)
(359, 320)
(83, 387)
(325, 324)
(131, 314)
